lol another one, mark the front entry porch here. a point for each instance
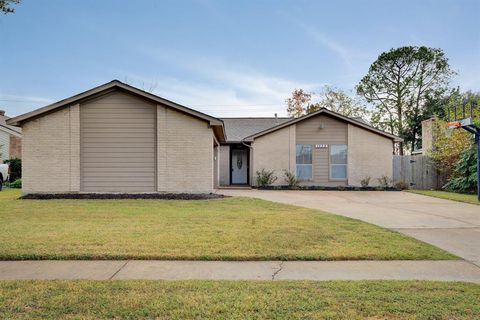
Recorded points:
(239, 165)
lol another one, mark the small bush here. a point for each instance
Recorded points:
(266, 177)
(15, 168)
(17, 184)
(365, 182)
(401, 185)
(291, 179)
(383, 182)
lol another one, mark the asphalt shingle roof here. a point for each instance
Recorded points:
(239, 128)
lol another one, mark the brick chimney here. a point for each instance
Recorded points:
(2, 116)
(428, 135)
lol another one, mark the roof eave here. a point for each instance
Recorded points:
(17, 121)
(331, 113)
(11, 131)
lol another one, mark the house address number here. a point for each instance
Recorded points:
(321, 146)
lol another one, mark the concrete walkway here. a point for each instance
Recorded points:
(450, 225)
(251, 270)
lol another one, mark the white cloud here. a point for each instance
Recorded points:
(20, 98)
(220, 88)
(328, 43)
(15, 104)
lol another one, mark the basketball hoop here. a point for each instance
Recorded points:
(453, 125)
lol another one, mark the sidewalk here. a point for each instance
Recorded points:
(235, 270)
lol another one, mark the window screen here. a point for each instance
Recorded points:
(338, 162)
(304, 162)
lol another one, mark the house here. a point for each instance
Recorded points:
(10, 140)
(117, 138)
(322, 148)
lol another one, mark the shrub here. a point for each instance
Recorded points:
(265, 177)
(15, 168)
(17, 184)
(401, 185)
(464, 177)
(448, 146)
(383, 182)
(291, 179)
(365, 182)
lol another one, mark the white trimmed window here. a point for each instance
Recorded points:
(338, 162)
(304, 162)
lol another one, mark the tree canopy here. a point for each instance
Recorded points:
(399, 83)
(333, 99)
(5, 6)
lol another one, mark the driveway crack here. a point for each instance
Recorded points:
(119, 269)
(280, 267)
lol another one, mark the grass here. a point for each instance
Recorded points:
(462, 197)
(226, 229)
(238, 300)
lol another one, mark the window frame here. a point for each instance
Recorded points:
(330, 164)
(304, 164)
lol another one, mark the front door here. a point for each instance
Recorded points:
(239, 166)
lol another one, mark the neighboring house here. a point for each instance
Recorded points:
(10, 140)
(117, 138)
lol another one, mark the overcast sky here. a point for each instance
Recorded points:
(225, 58)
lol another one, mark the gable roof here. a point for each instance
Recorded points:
(239, 128)
(325, 111)
(16, 131)
(216, 123)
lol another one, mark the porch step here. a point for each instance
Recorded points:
(246, 187)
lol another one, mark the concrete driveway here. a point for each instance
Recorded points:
(452, 226)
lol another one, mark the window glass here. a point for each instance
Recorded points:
(338, 162)
(338, 154)
(304, 171)
(304, 162)
(304, 154)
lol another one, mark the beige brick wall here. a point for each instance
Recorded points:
(15, 147)
(46, 148)
(428, 135)
(369, 154)
(75, 148)
(51, 152)
(274, 151)
(224, 165)
(185, 152)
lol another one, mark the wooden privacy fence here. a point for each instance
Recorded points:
(417, 172)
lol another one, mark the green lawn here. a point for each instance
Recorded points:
(469, 198)
(226, 229)
(238, 300)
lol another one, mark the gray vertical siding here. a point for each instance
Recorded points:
(224, 165)
(118, 153)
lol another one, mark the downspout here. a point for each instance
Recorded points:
(218, 160)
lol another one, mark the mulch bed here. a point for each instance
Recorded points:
(324, 188)
(106, 196)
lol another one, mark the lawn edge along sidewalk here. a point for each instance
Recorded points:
(236, 270)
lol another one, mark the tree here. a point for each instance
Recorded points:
(459, 105)
(333, 99)
(338, 101)
(464, 178)
(298, 102)
(5, 6)
(448, 147)
(398, 84)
